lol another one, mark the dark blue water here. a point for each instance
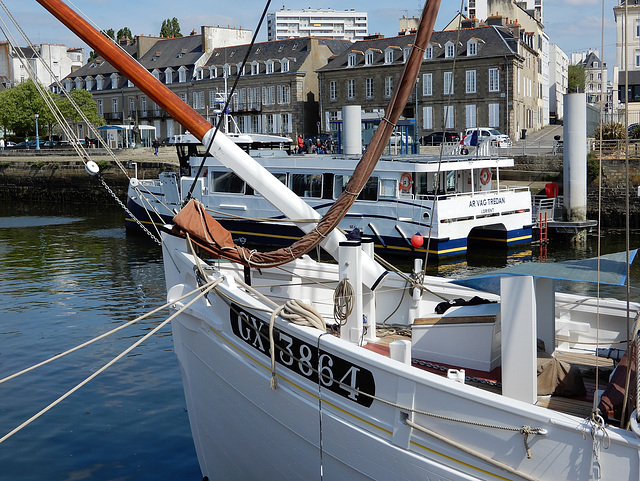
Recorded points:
(68, 274)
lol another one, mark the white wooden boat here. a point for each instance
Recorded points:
(288, 369)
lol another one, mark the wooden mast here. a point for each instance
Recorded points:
(130, 68)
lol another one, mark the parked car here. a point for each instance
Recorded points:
(166, 141)
(493, 135)
(398, 138)
(436, 138)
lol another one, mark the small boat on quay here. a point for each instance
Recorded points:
(411, 203)
(297, 369)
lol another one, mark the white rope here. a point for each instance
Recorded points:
(91, 341)
(208, 286)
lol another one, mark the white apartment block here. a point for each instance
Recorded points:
(481, 9)
(317, 22)
(60, 60)
(558, 80)
(626, 73)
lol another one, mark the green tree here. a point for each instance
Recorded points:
(110, 33)
(610, 131)
(85, 102)
(18, 107)
(576, 77)
(125, 33)
(170, 28)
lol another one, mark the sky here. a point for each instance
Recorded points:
(575, 25)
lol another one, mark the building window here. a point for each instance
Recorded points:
(494, 80)
(368, 88)
(240, 68)
(89, 83)
(427, 118)
(182, 75)
(449, 49)
(388, 55)
(472, 48)
(470, 84)
(132, 106)
(388, 86)
(213, 72)
(448, 83)
(427, 84)
(269, 66)
(449, 121)
(637, 58)
(114, 106)
(284, 65)
(268, 95)
(351, 60)
(284, 94)
(183, 97)
(368, 58)
(351, 89)
(428, 53)
(494, 115)
(99, 83)
(470, 116)
(168, 77)
(637, 28)
(100, 108)
(255, 68)
(226, 70)
(333, 90)
(114, 81)
(198, 100)
(405, 54)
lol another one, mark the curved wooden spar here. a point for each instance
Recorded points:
(130, 68)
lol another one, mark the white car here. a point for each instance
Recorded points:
(494, 136)
(398, 138)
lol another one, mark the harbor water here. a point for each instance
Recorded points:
(69, 273)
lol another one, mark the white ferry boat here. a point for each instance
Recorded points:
(411, 202)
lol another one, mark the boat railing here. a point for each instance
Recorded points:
(484, 193)
(552, 206)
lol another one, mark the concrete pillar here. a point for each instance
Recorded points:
(352, 129)
(575, 157)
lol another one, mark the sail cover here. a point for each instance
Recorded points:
(613, 271)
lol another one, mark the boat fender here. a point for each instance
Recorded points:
(485, 176)
(92, 168)
(406, 182)
(417, 241)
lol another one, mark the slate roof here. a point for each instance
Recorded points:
(493, 41)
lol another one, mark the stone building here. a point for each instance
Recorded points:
(59, 59)
(474, 77)
(277, 91)
(626, 73)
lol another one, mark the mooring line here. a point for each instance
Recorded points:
(208, 286)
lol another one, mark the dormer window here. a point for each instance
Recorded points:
(78, 82)
(168, 76)
(388, 55)
(99, 82)
(130, 83)
(240, 68)
(449, 49)
(226, 70)
(368, 57)
(405, 53)
(182, 74)
(472, 47)
(88, 83)
(255, 68)
(213, 72)
(199, 74)
(428, 52)
(182, 52)
(68, 85)
(352, 60)
(596, 65)
(284, 65)
(156, 73)
(269, 66)
(114, 81)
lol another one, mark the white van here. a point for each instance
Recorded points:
(494, 136)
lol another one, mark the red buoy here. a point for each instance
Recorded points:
(417, 240)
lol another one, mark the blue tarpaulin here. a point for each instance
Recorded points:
(613, 271)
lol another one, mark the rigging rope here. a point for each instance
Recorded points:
(204, 290)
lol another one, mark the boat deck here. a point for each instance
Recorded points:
(490, 381)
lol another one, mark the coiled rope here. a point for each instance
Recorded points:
(343, 299)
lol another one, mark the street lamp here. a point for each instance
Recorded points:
(37, 136)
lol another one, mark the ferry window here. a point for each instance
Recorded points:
(424, 182)
(307, 185)
(451, 181)
(370, 191)
(327, 186)
(388, 188)
(227, 182)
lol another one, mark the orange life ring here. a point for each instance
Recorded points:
(406, 182)
(485, 176)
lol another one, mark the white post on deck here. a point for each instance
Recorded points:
(519, 353)
(350, 253)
